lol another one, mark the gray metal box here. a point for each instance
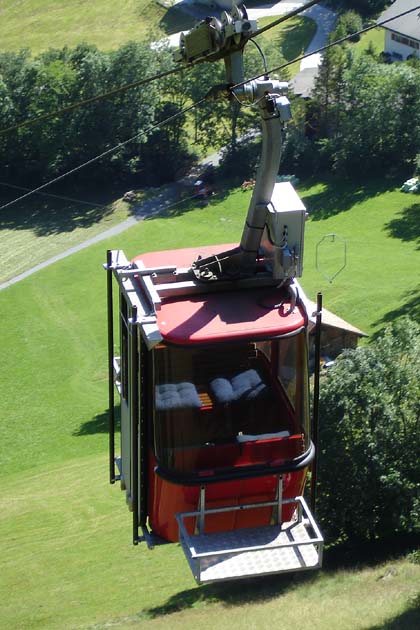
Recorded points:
(283, 237)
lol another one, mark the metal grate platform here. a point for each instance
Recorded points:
(293, 546)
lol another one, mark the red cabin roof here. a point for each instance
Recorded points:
(222, 316)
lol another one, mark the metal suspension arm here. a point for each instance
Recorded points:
(211, 40)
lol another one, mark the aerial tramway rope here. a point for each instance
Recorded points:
(139, 83)
(121, 145)
(88, 101)
(323, 48)
(113, 149)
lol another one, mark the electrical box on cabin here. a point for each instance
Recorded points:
(283, 238)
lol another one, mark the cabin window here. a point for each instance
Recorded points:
(230, 405)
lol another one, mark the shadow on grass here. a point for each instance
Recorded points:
(368, 554)
(185, 204)
(50, 214)
(232, 594)
(406, 226)
(340, 195)
(410, 307)
(295, 37)
(408, 620)
(98, 424)
(264, 589)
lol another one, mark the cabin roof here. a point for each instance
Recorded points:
(224, 315)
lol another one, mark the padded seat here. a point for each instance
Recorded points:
(177, 396)
(245, 386)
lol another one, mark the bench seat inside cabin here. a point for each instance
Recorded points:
(226, 420)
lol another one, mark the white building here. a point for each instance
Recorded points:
(402, 35)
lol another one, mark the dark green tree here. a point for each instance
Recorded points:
(366, 8)
(370, 438)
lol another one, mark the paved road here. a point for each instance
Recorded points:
(324, 18)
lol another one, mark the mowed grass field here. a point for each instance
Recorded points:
(43, 24)
(67, 559)
(46, 225)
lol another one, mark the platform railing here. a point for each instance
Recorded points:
(296, 545)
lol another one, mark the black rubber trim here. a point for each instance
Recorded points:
(233, 474)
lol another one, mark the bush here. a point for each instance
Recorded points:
(370, 440)
(348, 24)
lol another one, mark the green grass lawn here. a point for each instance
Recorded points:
(374, 38)
(65, 534)
(292, 37)
(42, 226)
(67, 562)
(381, 228)
(42, 24)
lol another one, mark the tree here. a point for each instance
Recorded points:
(56, 79)
(379, 125)
(364, 7)
(369, 478)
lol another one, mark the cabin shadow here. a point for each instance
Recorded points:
(56, 212)
(406, 226)
(98, 424)
(340, 195)
(263, 589)
(408, 620)
(232, 594)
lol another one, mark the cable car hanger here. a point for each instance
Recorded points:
(213, 372)
(211, 40)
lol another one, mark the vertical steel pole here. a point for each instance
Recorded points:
(111, 401)
(315, 417)
(134, 408)
(145, 412)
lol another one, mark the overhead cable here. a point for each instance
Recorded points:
(88, 101)
(129, 86)
(327, 46)
(114, 149)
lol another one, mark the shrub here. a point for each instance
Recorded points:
(370, 438)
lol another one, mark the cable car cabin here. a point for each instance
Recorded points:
(215, 432)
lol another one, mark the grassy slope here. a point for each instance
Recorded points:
(42, 227)
(67, 562)
(380, 227)
(65, 535)
(41, 24)
(292, 37)
(54, 321)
